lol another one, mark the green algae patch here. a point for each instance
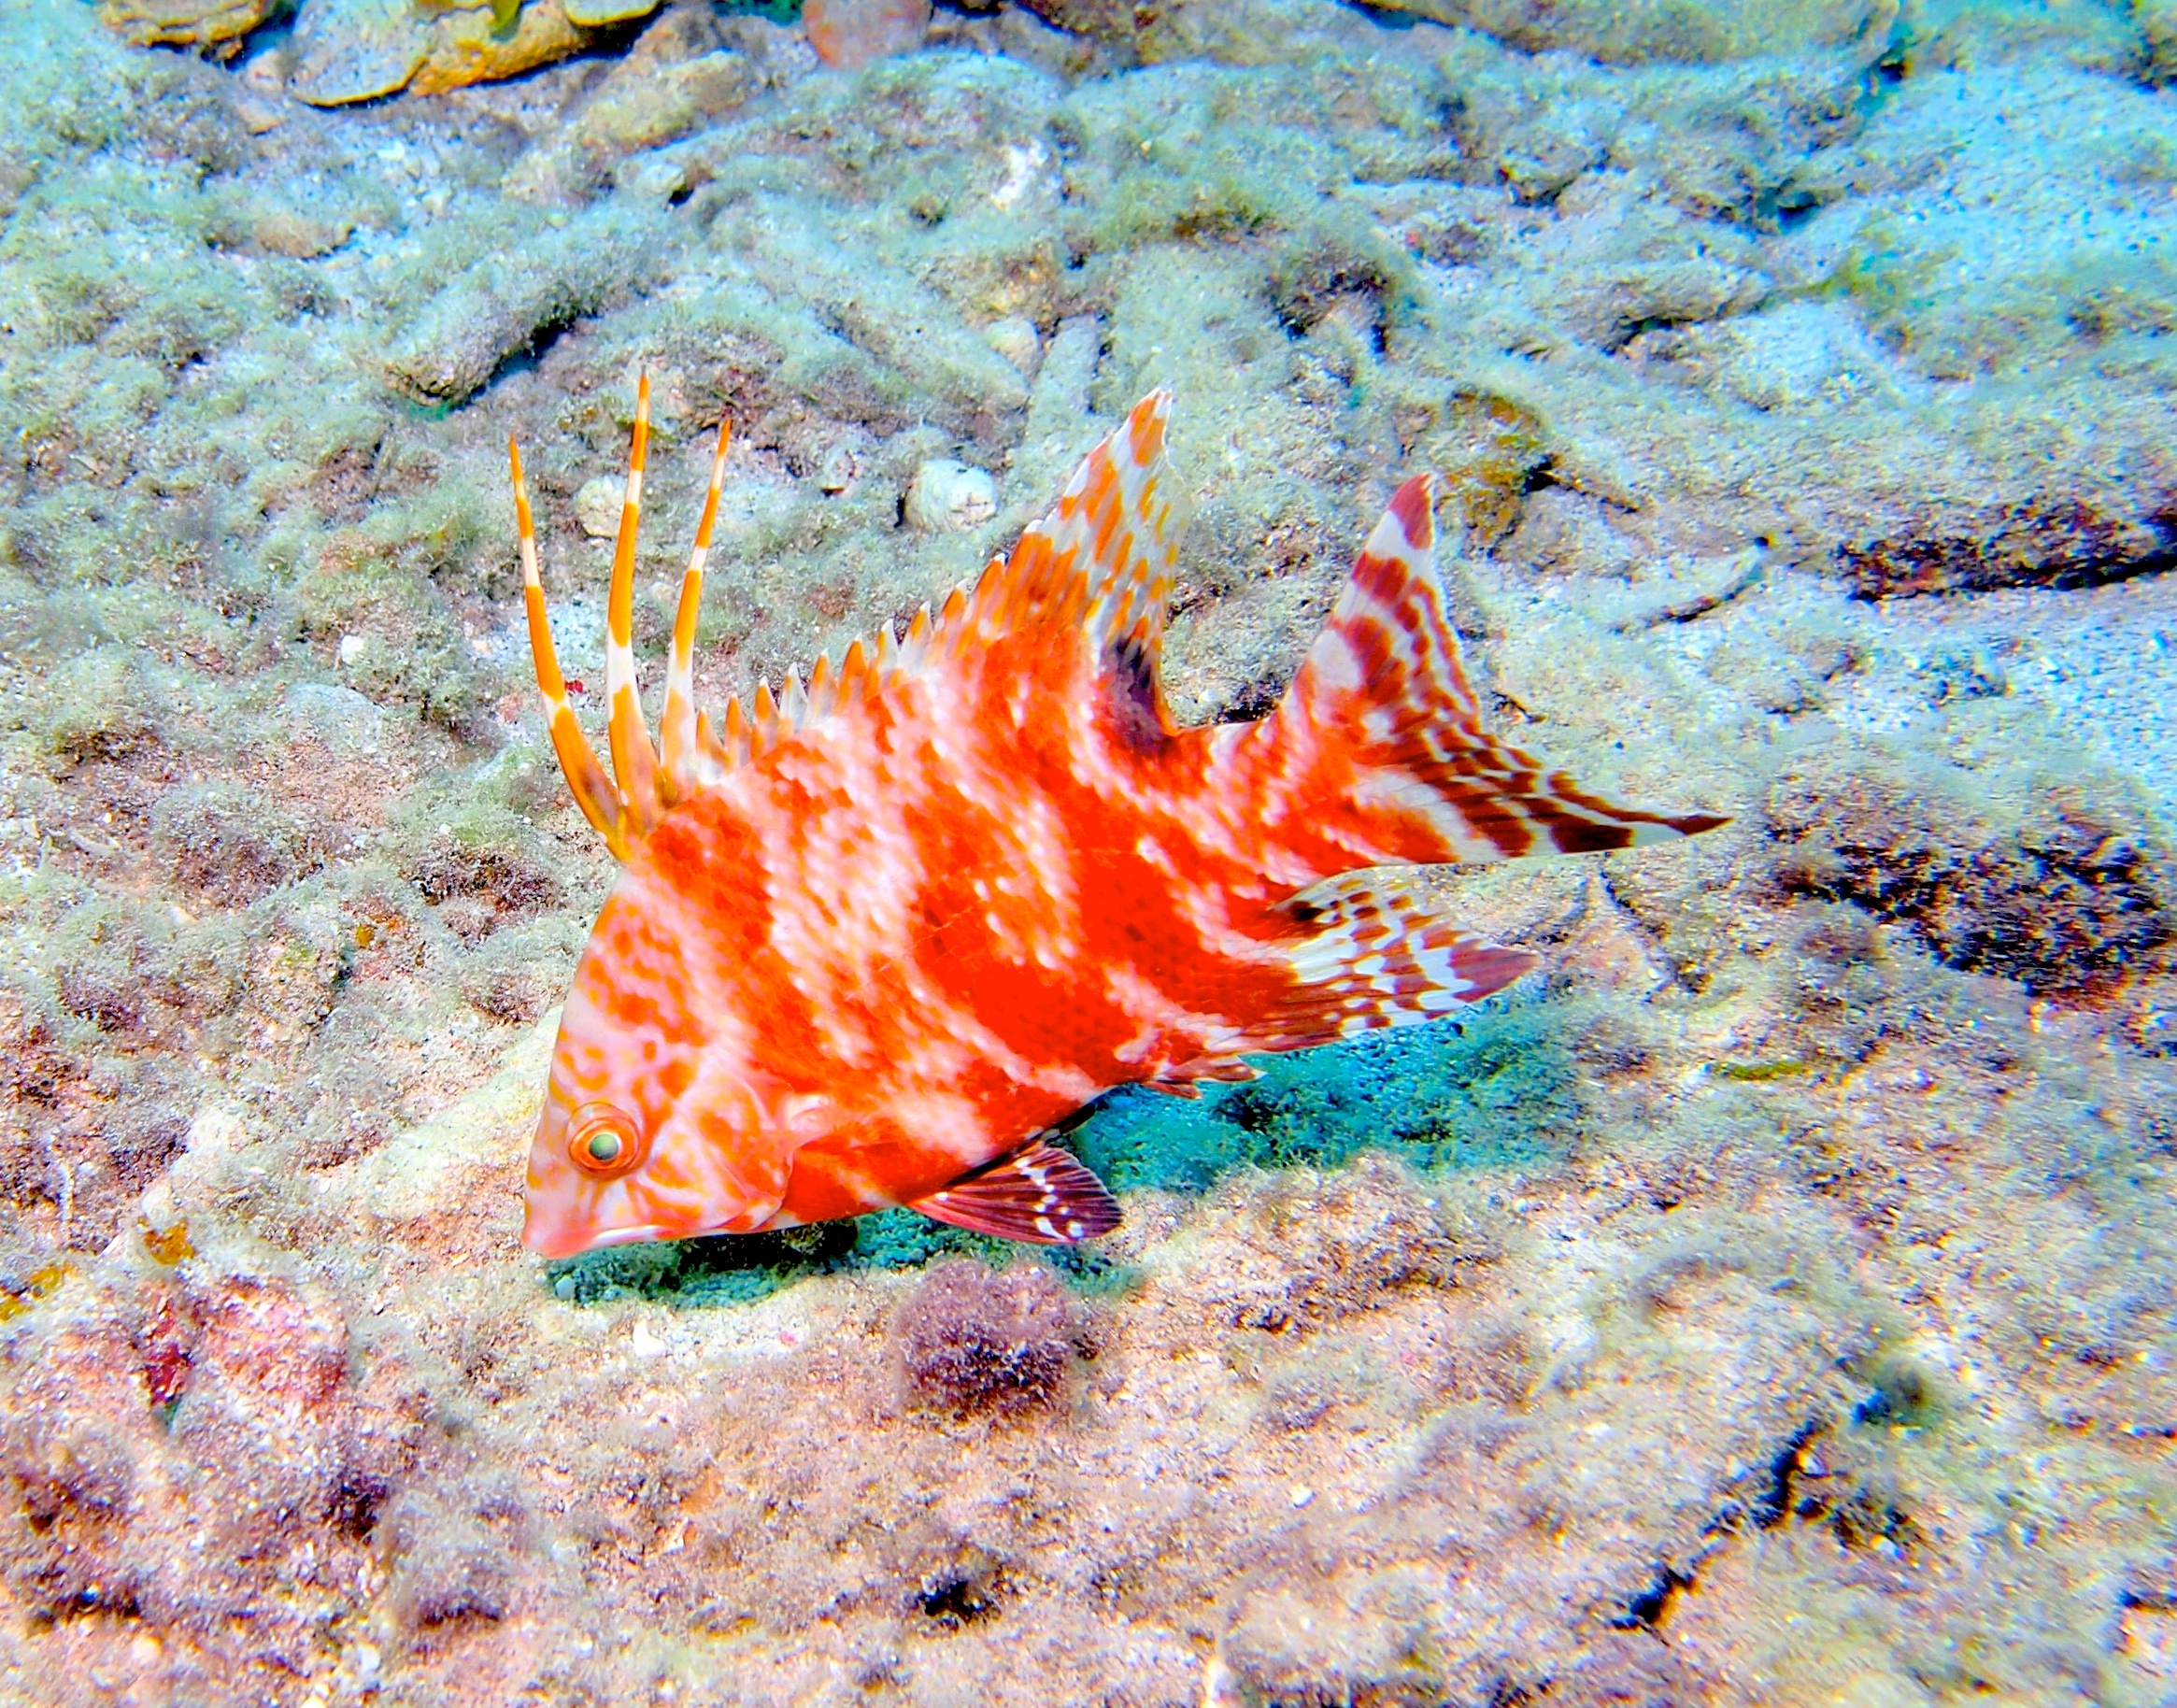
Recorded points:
(1759, 1071)
(735, 1269)
(1481, 1092)
(387, 626)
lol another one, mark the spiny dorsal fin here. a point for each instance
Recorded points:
(1102, 560)
(1038, 1194)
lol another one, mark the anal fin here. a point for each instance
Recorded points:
(1367, 950)
(1039, 1195)
(1372, 951)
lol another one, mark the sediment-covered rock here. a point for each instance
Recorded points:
(1771, 1294)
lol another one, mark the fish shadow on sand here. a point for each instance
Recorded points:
(1497, 1089)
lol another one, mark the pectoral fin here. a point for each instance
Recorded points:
(1039, 1195)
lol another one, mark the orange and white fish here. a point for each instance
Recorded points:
(876, 936)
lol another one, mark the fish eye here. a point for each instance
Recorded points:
(604, 1140)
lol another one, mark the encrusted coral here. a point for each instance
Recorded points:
(2067, 903)
(199, 23)
(347, 51)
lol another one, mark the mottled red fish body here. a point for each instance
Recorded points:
(891, 927)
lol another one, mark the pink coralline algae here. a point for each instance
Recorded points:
(848, 35)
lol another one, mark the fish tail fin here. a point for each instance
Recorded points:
(1378, 753)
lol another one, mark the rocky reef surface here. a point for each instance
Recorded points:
(1769, 1302)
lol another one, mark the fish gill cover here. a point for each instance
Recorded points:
(1769, 1300)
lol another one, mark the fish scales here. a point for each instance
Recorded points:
(876, 939)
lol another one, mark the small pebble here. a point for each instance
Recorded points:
(564, 1289)
(1014, 338)
(1301, 1495)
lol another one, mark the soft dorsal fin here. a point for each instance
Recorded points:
(1119, 519)
(1378, 754)
(1038, 1194)
(1102, 559)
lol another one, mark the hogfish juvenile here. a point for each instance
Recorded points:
(875, 935)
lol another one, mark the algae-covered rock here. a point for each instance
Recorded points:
(679, 75)
(195, 23)
(851, 34)
(350, 50)
(1644, 31)
(347, 51)
(507, 302)
(1111, 20)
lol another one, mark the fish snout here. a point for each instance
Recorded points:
(556, 1227)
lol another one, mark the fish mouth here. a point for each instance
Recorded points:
(564, 1242)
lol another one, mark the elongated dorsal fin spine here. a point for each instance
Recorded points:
(676, 732)
(592, 790)
(635, 762)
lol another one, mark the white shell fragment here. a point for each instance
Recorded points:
(1014, 338)
(597, 506)
(841, 465)
(948, 497)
